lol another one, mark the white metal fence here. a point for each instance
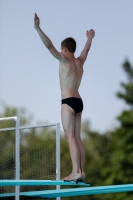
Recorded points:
(18, 133)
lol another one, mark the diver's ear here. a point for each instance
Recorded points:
(65, 48)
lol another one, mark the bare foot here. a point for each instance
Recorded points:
(74, 177)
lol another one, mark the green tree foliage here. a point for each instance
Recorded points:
(127, 88)
(37, 151)
(97, 158)
(122, 138)
(109, 156)
(9, 111)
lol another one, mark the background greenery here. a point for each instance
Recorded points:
(109, 156)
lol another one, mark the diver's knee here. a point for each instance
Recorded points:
(69, 136)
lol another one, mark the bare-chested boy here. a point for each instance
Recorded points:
(70, 73)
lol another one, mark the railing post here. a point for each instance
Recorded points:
(58, 156)
(17, 158)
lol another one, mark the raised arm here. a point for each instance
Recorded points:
(90, 35)
(47, 42)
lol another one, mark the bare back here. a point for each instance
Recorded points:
(71, 69)
(70, 73)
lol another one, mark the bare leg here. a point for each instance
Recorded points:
(79, 141)
(68, 122)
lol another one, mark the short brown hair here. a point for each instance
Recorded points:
(70, 43)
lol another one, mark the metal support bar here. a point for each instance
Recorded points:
(58, 156)
(26, 127)
(17, 158)
(8, 118)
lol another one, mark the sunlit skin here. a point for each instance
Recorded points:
(70, 74)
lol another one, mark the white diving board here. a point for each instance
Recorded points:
(76, 191)
(40, 182)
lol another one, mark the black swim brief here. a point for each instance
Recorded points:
(75, 103)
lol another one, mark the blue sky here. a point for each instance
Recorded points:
(29, 74)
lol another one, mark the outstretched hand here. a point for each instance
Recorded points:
(36, 21)
(90, 34)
